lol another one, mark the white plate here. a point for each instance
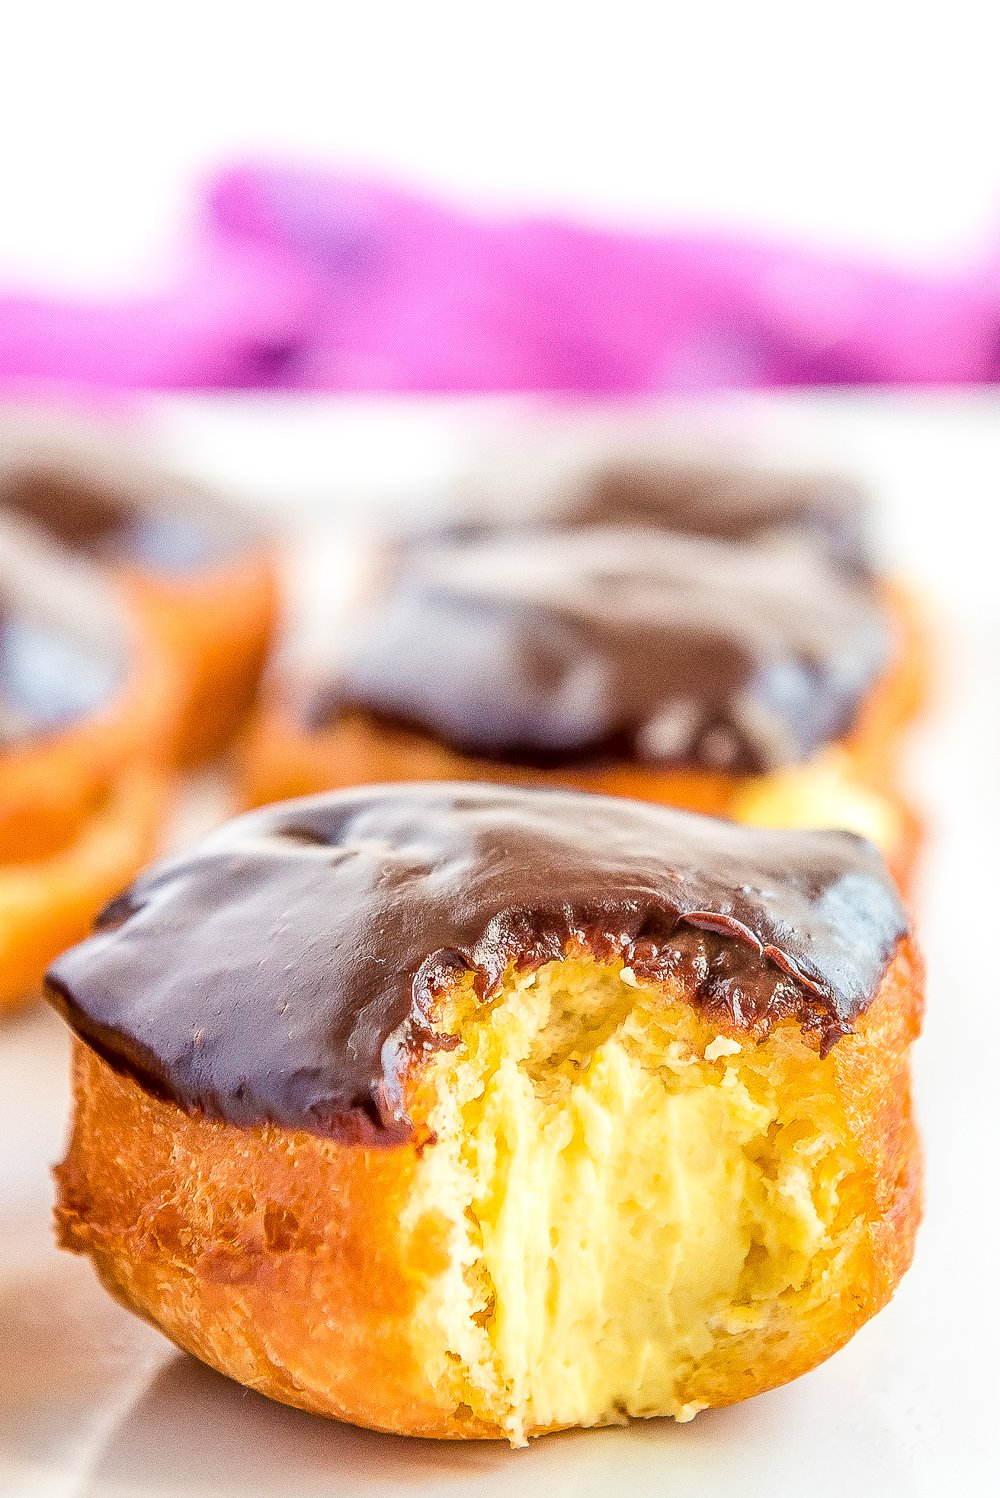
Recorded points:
(94, 1404)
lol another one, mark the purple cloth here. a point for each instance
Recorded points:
(314, 280)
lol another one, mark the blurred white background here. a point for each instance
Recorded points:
(862, 124)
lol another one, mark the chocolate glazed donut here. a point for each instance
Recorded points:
(202, 577)
(400, 1103)
(88, 711)
(757, 681)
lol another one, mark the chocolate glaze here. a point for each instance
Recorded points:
(286, 968)
(113, 515)
(610, 644)
(824, 512)
(63, 641)
(729, 503)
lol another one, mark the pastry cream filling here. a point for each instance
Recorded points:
(621, 1189)
(823, 793)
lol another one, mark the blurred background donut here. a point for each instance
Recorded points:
(719, 639)
(90, 702)
(197, 568)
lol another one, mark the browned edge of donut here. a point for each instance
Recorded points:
(80, 813)
(219, 626)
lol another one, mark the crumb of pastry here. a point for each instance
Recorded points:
(722, 1045)
(624, 1195)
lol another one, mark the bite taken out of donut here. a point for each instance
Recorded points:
(475, 1111)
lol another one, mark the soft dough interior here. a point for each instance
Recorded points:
(625, 1196)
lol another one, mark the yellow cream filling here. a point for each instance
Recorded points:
(823, 793)
(620, 1189)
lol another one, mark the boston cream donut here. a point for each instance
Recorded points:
(628, 479)
(470, 1110)
(204, 581)
(760, 682)
(88, 708)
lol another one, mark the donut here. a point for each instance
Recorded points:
(205, 582)
(88, 711)
(479, 1111)
(760, 682)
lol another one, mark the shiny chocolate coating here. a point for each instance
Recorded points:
(601, 645)
(623, 486)
(287, 968)
(138, 520)
(729, 503)
(64, 648)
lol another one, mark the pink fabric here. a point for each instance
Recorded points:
(314, 280)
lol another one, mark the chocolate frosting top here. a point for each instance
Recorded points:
(285, 969)
(63, 639)
(610, 644)
(623, 484)
(113, 512)
(728, 502)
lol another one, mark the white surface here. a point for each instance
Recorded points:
(93, 1404)
(863, 123)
